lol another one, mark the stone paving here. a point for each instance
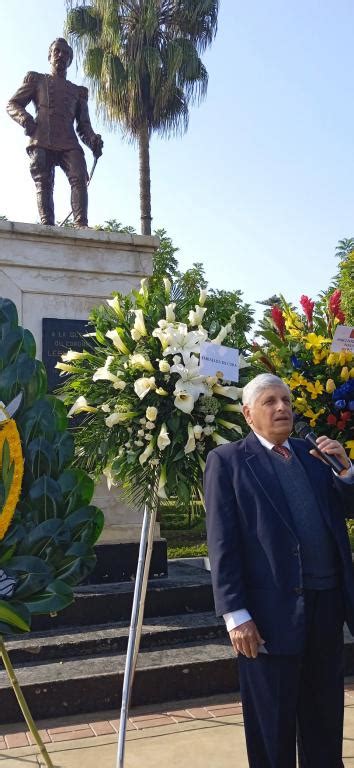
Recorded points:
(178, 734)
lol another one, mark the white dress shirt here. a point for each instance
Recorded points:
(235, 618)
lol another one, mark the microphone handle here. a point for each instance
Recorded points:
(328, 458)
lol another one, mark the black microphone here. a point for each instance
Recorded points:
(303, 430)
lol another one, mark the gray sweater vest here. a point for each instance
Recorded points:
(319, 554)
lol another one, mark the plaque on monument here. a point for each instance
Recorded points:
(58, 336)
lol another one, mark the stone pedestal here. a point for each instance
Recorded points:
(53, 272)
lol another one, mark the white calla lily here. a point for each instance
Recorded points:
(144, 385)
(162, 482)
(198, 431)
(167, 284)
(234, 393)
(145, 455)
(170, 312)
(119, 417)
(190, 444)
(144, 286)
(104, 374)
(72, 355)
(139, 328)
(107, 472)
(202, 297)
(164, 366)
(115, 305)
(65, 368)
(184, 401)
(218, 439)
(190, 378)
(196, 317)
(117, 341)
(163, 439)
(81, 406)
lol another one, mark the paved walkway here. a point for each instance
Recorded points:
(198, 733)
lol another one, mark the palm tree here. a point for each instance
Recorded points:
(142, 58)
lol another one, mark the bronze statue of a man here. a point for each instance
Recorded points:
(53, 141)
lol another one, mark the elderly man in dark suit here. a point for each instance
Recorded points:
(53, 141)
(283, 579)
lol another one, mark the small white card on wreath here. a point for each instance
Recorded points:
(216, 358)
(343, 339)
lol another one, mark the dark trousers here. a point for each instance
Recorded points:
(42, 167)
(288, 696)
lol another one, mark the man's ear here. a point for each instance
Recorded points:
(247, 414)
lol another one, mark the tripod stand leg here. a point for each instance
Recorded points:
(23, 704)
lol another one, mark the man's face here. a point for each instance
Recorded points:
(59, 58)
(270, 414)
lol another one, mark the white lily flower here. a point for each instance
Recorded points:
(144, 385)
(72, 355)
(160, 334)
(151, 413)
(139, 328)
(234, 393)
(163, 439)
(164, 366)
(196, 318)
(81, 406)
(117, 341)
(142, 362)
(190, 378)
(184, 401)
(115, 305)
(163, 324)
(202, 297)
(167, 284)
(190, 444)
(184, 342)
(145, 455)
(170, 312)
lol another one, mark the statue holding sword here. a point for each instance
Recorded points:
(52, 137)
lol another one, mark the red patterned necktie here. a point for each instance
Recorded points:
(282, 450)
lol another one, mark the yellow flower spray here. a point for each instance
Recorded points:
(9, 433)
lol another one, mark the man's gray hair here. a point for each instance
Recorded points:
(256, 386)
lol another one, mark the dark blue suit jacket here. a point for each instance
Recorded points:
(253, 547)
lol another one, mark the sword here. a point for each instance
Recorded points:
(88, 182)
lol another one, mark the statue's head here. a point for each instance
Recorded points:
(60, 55)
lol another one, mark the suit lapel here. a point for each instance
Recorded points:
(265, 477)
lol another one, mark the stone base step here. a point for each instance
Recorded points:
(95, 683)
(99, 639)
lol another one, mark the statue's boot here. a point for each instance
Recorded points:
(79, 203)
(45, 204)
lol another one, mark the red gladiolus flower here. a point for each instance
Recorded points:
(308, 307)
(331, 420)
(334, 305)
(340, 425)
(278, 320)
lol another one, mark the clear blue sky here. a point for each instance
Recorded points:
(261, 187)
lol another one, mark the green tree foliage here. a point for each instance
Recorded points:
(48, 548)
(142, 59)
(345, 251)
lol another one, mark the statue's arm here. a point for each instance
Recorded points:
(83, 124)
(16, 107)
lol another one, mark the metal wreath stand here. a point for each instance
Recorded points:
(136, 621)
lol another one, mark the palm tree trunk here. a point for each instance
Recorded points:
(144, 180)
